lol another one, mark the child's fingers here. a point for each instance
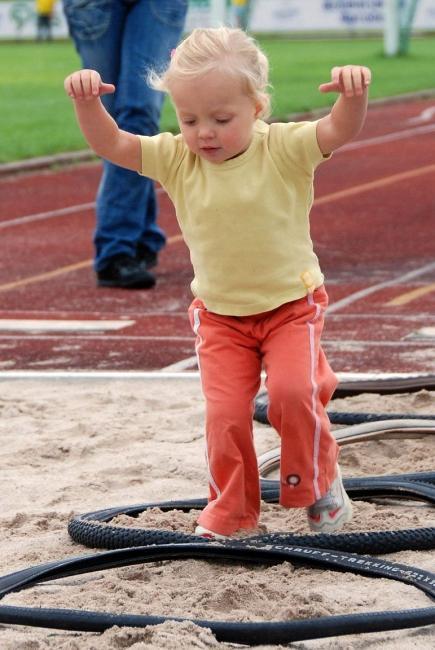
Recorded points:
(76, 86)
(96, 86)
(336, 75)
(357, 80)
(86, 84)
(347, 79)
(328, 87)
(361, 77)
(106, 89)
(91, 81)
(67, 86)
(335, 84)
(94, 83)
(351, 80)
(366, 75)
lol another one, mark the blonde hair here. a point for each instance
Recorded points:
(222, 48)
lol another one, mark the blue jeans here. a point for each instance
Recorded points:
(122, 39)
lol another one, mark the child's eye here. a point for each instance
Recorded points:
(222, 120)
(189, 122)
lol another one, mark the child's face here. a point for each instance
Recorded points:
(215, 115)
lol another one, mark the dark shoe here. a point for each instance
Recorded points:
(145, 254)
(127, 273)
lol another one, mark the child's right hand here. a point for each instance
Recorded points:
(86, 85)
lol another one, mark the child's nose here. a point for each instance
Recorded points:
(206, 132)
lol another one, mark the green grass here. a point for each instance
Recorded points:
(37, 117)
(298, 67)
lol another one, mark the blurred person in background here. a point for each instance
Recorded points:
(122, 40)
(240, 11)
(44, 18)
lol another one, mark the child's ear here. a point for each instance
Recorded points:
(258, 108)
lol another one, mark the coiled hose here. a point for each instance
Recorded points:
(276, 632)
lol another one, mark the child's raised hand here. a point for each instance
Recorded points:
(86, 84)
(350, 80)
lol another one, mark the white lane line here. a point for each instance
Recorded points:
(391, 317)
(184, 364)
(39, 216)
(425, 116)
(426, 334)
(92, 315)
(358, 144)
(388, 137)
(6, 375)
(351, 343)
(60, 212)
(94, 374)
(31, 325)
(138, 317)
(353, 297)
(191, 362)
(92, 337)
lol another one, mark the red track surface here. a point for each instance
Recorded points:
(372, 223)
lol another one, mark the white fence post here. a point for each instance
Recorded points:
(218, 12)
(392, 27)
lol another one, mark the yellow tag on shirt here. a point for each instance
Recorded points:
(308, 281)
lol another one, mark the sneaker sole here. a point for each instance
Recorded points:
(209, 534)
(120, 285)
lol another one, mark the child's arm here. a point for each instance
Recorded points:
(85, 87)
(348, 114)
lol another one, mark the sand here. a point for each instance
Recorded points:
(72, 446)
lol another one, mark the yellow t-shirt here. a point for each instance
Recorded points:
(45, 7)
(245, 221)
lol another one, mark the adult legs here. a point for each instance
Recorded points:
(43, 27)
(122, 39)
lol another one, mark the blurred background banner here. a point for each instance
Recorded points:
(18, 17)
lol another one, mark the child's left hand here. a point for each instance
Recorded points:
(349, 80)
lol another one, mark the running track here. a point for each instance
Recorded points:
(372, 224)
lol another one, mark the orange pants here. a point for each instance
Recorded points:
(231, 353)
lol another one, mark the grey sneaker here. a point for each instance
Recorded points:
(331, 511)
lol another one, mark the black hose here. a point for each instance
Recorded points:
(280, 632)
(91, 529)
(273, 548)
(337, 417)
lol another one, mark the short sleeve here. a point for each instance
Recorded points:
(159, 155)
(297, 144)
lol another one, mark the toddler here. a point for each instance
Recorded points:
(243, 190)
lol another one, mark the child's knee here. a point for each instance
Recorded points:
(289, 397)
(230, 413)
